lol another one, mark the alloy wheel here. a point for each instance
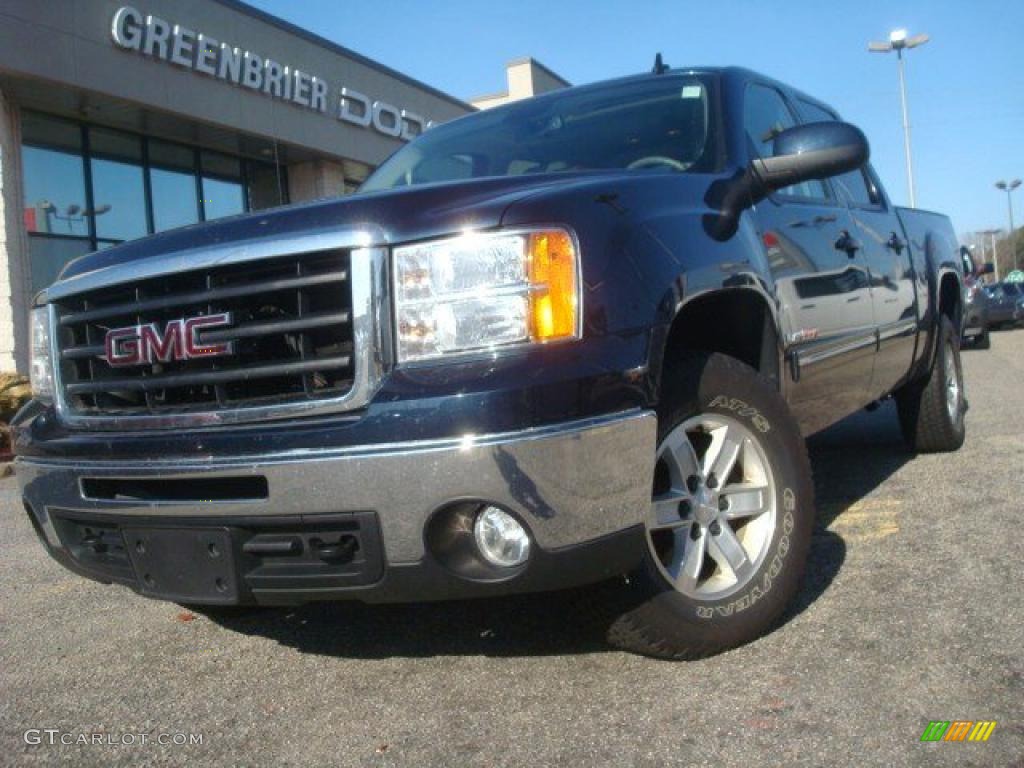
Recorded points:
(952, 385)
(713, 513)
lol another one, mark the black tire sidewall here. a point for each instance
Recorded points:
(923, 411)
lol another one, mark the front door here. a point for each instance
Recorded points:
(879, 234)
(821, 281)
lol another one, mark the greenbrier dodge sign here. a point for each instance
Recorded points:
(187, 48)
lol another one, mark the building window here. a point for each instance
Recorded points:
(55, 202)
(266, 184)
(54, 172)
(54, 192)
(118, 187)
(88, 188)
(172, 178)
(223, 189)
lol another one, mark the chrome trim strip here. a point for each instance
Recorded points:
(371, 334)
(819, 355)
(178, 466)
(897, 328)
(209, 256)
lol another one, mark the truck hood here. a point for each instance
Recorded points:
(390, 216)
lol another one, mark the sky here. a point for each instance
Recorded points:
(965, 87)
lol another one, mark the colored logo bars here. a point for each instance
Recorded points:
(958, 730)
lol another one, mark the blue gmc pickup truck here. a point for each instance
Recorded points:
(577, 337)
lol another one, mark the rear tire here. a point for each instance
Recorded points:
(983, 341)
(697, 594)
(931, 410)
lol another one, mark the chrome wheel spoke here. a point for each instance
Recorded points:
(722, 453)
(952, 385)
(726, 550)
(688, 558)
(745, 500)
(680, 458)
(666, 512)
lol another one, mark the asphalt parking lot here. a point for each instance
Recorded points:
(912, 612)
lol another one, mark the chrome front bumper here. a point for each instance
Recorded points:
(570, 483)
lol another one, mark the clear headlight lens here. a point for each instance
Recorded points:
(484, 291)
(40, 360)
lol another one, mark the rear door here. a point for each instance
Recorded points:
(884, 250)
(823, 290)
(892, 277)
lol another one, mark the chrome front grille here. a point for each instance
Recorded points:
(306, 330)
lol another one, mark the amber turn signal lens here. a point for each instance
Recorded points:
(554, 299)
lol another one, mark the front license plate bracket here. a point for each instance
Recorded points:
(187, 565)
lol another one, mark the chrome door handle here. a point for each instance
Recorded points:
(894, 243)
(848, 243)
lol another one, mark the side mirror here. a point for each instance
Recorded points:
(811, 151)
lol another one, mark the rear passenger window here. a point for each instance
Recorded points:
(765, 115)
(853, 186)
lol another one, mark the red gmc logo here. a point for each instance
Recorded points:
(144, 344)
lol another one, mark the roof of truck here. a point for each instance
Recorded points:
(730, 72)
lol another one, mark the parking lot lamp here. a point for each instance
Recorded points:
(899, 41)
(1008, 187)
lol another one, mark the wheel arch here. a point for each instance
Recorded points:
(738, 322)
(950, 296)
(945, 297)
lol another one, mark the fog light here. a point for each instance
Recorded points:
(500, 538)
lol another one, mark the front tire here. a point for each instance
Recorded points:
(731, 515)
(931, 410)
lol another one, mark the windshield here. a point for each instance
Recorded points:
(662, 122)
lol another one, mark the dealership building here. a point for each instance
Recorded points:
(118, 120)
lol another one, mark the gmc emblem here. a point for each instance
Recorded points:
(145, 344)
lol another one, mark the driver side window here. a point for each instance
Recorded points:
(765, 115)
(853, 186)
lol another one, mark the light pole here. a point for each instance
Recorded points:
(995, 253)
(898, 41)
(1008, 187)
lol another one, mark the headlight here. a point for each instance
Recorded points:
(485, 291)
(41, 362)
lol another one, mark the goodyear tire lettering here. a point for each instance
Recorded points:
(770, 573)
